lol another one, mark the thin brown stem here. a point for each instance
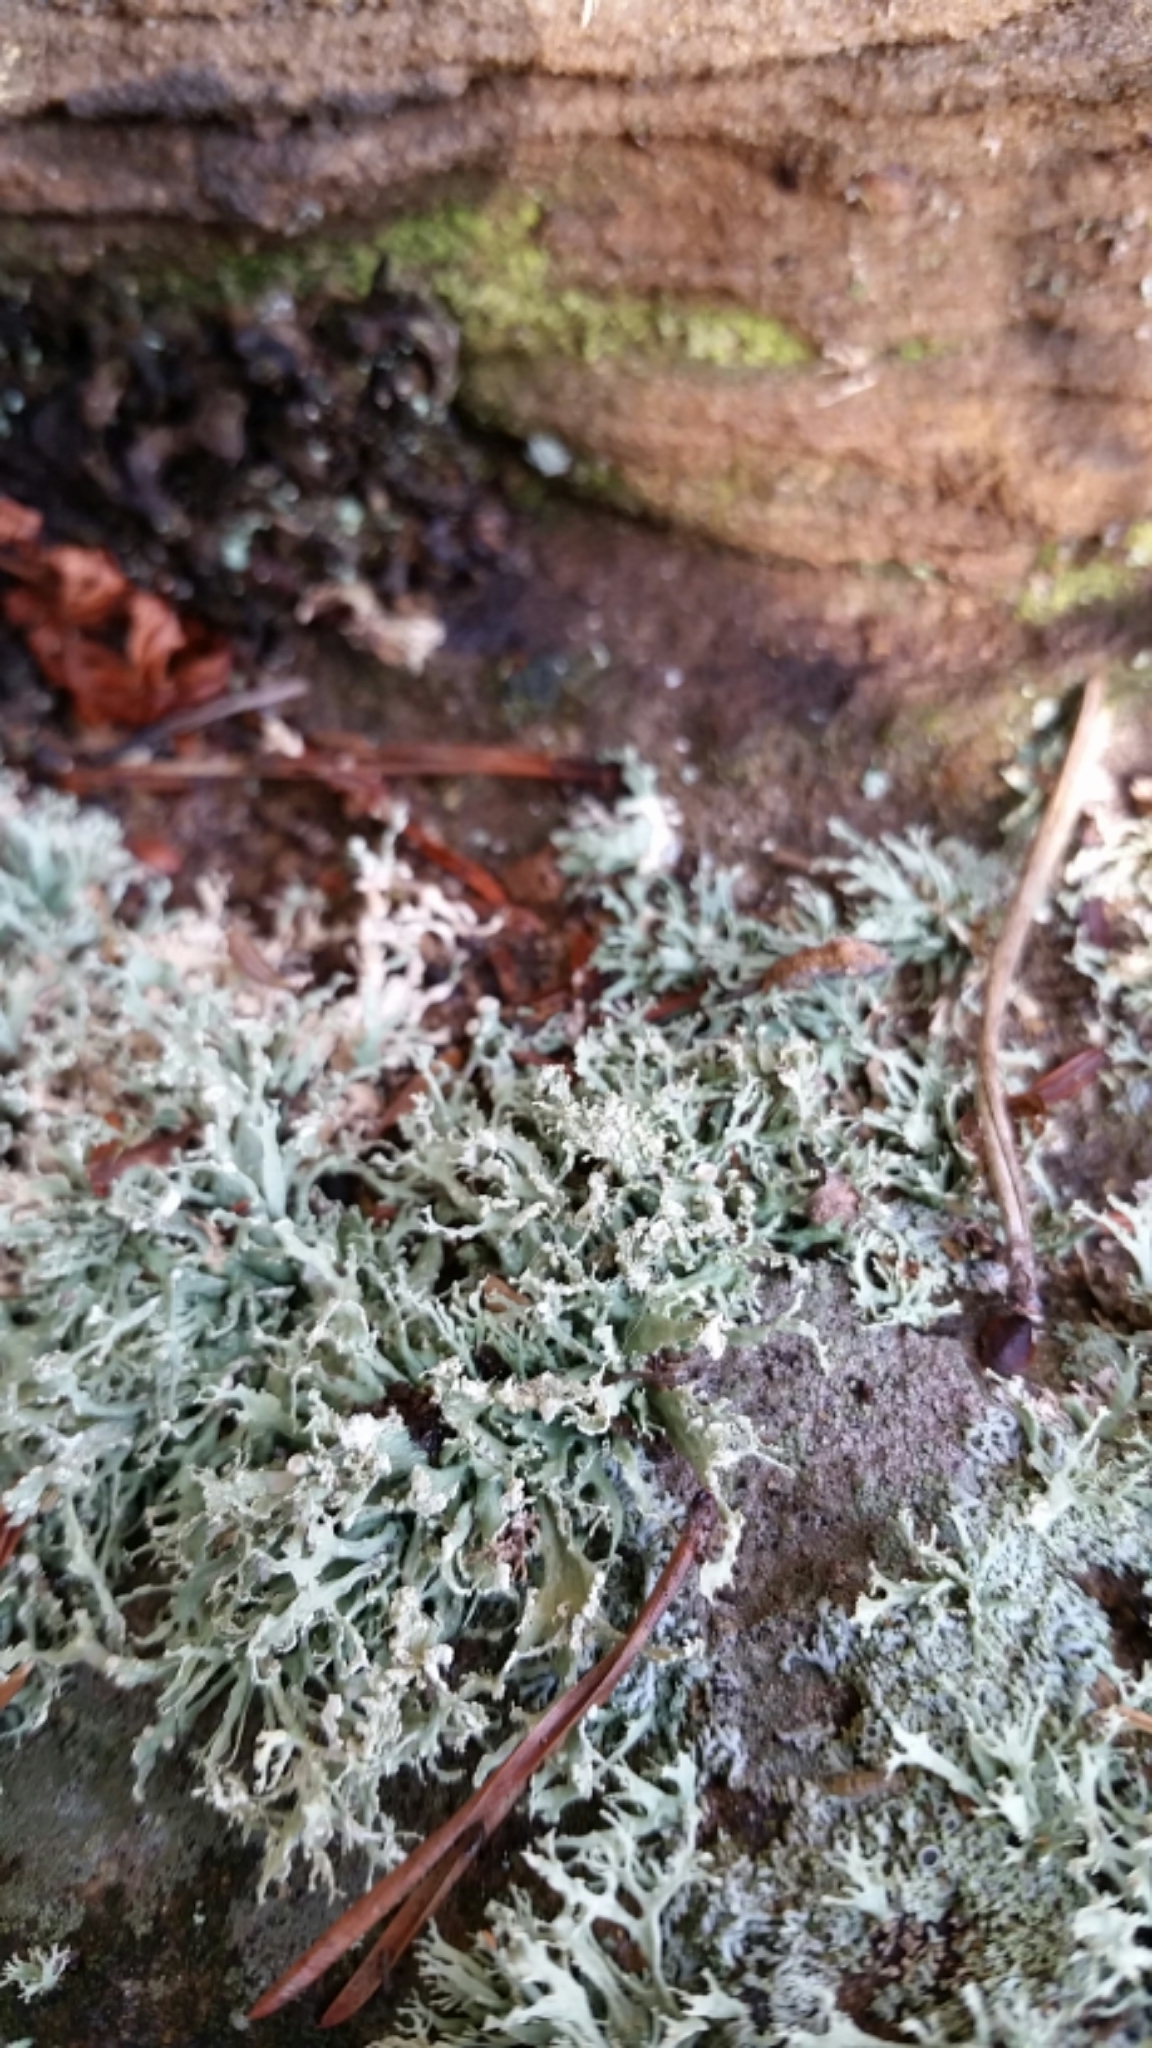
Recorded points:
(197, 717)
(10, 1534)
(481, 1814)
(403, 1928)
(1047, 851)
(358, 771)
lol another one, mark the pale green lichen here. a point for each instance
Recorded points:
(558, 1979)
(36, 1974)
(288, 1461)
(1001, 1895)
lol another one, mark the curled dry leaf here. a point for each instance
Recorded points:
(499, 1296)
(83, 586)
(163, 856)
(123, 655)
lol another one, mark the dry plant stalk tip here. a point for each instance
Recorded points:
(1047, 851)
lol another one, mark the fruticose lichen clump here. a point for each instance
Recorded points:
(351, 1445)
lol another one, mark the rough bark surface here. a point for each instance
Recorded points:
(946, 207)
(172, 57)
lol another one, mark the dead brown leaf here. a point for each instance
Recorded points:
(1059, 1084)
(123, 655)
(499, 1295)
(83, 586)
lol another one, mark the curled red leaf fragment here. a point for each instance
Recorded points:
(124, 656)
(153, 851)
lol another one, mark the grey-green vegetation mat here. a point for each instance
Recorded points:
(350, 1487)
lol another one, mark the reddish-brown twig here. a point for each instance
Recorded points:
(267, 696)
(10, 1534)
(353, 771)
(476, 879)
(418, 1908)
(1047, 851)
(414, 1890)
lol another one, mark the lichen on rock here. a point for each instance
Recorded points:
(346, 1486)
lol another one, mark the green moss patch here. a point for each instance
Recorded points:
(1112, 576)
(490, 266)
(493, 271)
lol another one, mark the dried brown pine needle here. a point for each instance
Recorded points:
(1047, 851)
(413, 1891)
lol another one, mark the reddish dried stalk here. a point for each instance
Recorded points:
(810, 963)
(417, 1887)
(353, 769)
(266, 696)
(10, 1534)
(476, 879)
(676, 1003)
(1001, 1159)
(418, 1908)
(833, 956)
